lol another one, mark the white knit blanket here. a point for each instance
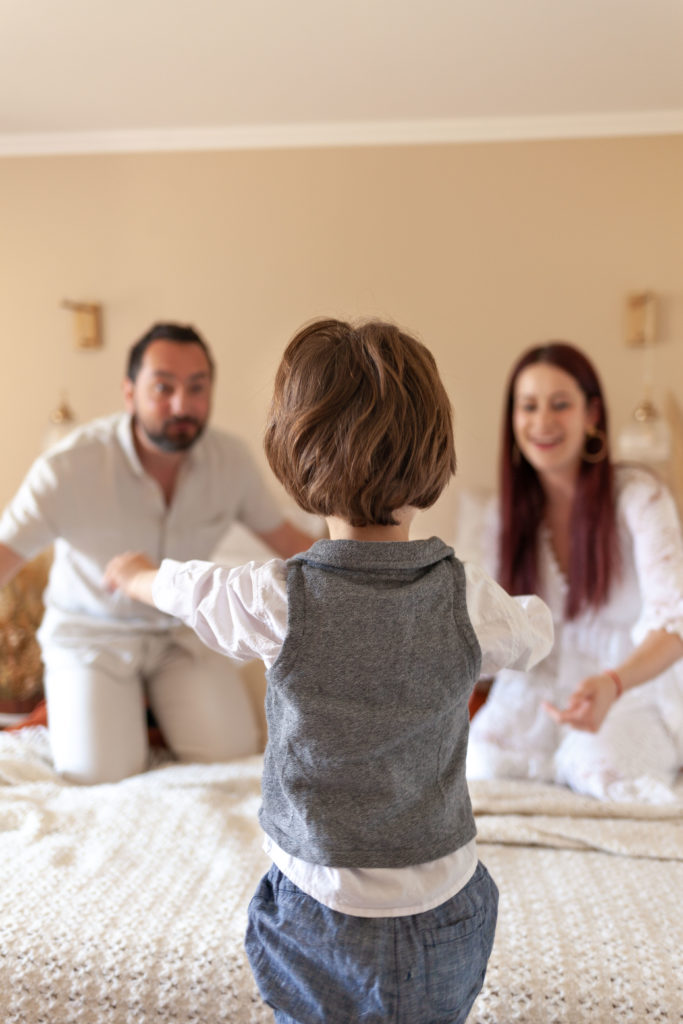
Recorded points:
(126, 903)
(590, 925)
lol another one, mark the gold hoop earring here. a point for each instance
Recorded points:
(595, 434)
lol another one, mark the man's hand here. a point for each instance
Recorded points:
(588, 705)
(133, 573)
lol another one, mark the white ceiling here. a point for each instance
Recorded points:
(103, 75)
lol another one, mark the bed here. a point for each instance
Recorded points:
(126, 903)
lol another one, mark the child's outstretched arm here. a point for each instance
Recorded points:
(132, 573)
(240, 612)
(513, 632)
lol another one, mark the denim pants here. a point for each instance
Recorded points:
(314, 965)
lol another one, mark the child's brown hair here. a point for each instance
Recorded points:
(360, 423)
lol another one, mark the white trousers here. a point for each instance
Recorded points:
(96, 705)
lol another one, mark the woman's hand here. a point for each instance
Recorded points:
(588, 705)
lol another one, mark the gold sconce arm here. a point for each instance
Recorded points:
(646, 437)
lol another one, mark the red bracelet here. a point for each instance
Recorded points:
(616, 680)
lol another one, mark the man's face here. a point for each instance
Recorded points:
(171, 396)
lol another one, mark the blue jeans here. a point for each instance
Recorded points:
(314, 965)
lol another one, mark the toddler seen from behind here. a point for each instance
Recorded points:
(376, 907)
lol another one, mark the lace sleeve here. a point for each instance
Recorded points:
(651, 517)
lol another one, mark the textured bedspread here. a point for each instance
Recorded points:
(126, 904)
(590, 925)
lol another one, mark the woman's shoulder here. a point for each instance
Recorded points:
(640, 490)
(632, 478)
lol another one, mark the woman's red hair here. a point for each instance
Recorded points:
(594, 552)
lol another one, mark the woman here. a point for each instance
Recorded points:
(602, 545)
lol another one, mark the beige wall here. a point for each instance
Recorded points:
(481, 249)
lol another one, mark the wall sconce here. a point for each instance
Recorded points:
(87, 323)
(61, 422)
(641, 319)
(646, 437)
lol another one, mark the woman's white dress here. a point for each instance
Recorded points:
(639, 749)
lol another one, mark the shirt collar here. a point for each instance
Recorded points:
(124, 433)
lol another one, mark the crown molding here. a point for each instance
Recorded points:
(360, 133)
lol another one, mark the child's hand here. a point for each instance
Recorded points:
(588, 705)
(133, 573)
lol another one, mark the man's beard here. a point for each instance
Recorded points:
(171, 438)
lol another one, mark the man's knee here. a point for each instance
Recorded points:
(98, 770)
(205, 711)
(95, 722)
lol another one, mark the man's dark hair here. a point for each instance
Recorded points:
(182, 334)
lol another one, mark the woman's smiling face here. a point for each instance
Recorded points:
(550, 419)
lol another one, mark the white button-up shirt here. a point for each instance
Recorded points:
(92, 499)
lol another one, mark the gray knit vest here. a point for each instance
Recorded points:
(367, 706)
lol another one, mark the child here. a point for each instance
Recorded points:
(375, 907)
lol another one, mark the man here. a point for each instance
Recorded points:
(154, 479)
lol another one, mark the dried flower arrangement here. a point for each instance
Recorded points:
(21, 610)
